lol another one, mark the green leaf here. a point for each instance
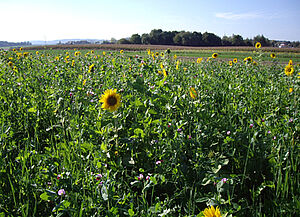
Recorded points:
(131, 212)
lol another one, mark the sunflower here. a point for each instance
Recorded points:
(290, 62)
(111, 100)
(37, 53)
(175, 57)
(215, 55)
(199, 60)
(230, 63)
(21, 49)
(91, 68)
(10, 64)
(288, 70)
(235, 60)
(272, 55)
(248, 59)
(193, 93)
(258, 45)
(77, 53)
(290, 90)
(14, 49)
(212, 212)
(103, 53)
(121, 51)
(255, 63)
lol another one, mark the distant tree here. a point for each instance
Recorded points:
(113, 41)
(262, 39)
(124, 41)
(155, 36)
(226, 41)
(166, 37)
(248, 42)
(145, 38)
(237, 40)
(136, 39)
(210, 39)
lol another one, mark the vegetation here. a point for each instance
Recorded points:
(114, 134)
(186, 38)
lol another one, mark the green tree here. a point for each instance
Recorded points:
(136, 39)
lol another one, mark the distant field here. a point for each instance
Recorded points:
(283, 55)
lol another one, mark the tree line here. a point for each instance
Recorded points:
(186, 38)
(8, 44)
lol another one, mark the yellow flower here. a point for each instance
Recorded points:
(37, 53)
(10, 64)
(177, 64)
(235, 60)
(111, 100)
(248, 59)
(103, 53)
(288, 70)
(162, 54)
(193, 93)
(258, 45)
(272, 55)
(230, 63)
(215, 55)
(84, 82)
(92, 52)
(91, 68)
(199, 60)
(255, 63)
(157, 54)
(290, 62)
(21, 49)
(290, 90)
(77, 53)
(175, 56)
(165, 73)
(121, 51)
(161, 65)
(212, 212)
(73, 62)
(14, 49)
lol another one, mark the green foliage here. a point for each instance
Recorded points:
(162, 153)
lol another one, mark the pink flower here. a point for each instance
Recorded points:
(228, 132)
(61, 192)
(224, 180)
(58, 176)
(147, 178)
(158, 162)
(98, 177)
(140, 177)
(251, 125)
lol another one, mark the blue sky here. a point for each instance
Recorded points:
(22, 20)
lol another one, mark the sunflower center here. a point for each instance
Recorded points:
(111, 101)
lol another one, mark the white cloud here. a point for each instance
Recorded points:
(233, 16)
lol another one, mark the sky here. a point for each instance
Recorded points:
(27, 20)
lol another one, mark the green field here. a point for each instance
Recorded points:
(175, 138)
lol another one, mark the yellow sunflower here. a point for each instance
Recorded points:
(215, 55)
(272, 55)
(199, 60)
(258, 45)
(121, 51)
(21, 48)
(230, 63)
(290, 62)
(289, 70)
(193, 93)
(212, 212)
(248, 59)
(165, 73)
(290, 90)
(235, 60)
(111, 100)
(10, 64)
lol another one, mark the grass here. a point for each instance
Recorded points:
(233, 143)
